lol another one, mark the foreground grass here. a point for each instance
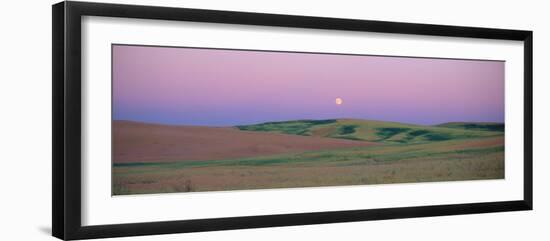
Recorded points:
(445, 160)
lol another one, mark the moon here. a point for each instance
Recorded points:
(339, 101)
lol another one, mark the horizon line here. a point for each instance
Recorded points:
(297, 120)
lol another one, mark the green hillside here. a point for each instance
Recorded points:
(481, 126)
(379, 131)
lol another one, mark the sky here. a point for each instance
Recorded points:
(213, 87)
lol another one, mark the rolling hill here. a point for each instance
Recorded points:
(478, 126)
(154, 158)
(135, 142)
(379, 131)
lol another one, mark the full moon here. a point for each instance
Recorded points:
(339, 101)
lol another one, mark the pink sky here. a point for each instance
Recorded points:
(232, 87)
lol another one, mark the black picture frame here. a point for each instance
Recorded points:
(66, 159)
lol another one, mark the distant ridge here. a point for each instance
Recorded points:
(479, 126)
(378, 131)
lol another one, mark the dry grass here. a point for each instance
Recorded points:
(470, 159)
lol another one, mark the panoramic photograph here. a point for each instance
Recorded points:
(201, 119)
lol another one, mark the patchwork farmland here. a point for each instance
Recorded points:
(153, 158)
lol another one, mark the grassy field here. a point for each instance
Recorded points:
(404, 153)
(380, 131)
